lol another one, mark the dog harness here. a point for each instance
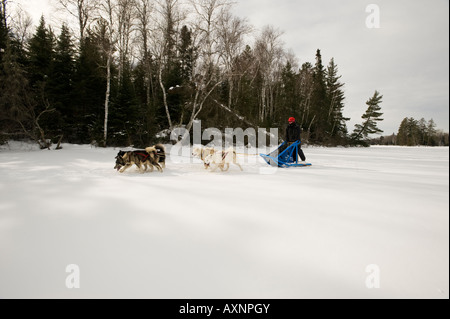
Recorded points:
(224, 154)
(145, 156)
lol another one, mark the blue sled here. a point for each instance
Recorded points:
(287, 158)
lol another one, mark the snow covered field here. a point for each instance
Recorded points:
(188, 233)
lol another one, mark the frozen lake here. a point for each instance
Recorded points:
(355, 219)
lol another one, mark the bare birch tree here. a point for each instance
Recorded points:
(109, 47)
(84, 11)
(22, 24)
(164, 39)
(206, 69)
(3, 13)
(269, 52)
(144, 11)
(125, 17)
(231, 32)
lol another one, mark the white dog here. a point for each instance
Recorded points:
(202, 153)
(222, 158)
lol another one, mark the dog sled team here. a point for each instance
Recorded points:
(155, 157)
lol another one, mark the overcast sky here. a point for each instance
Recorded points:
(406, 59)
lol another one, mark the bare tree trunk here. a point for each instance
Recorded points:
(109, 48)
(231, 31)
(198, 104)
(262, 112)
(108, 92)
(125, 15)
(166, 106)
(144, 10)
(3, 10)
(58, 146)
(230, 91)
(166, 44)
(235, 114)
(310, 124)
(269, 52)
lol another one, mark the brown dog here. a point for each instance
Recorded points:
(143, 159)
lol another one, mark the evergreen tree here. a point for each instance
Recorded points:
(124, 119)
(422, 127)
(409, 132)
(18, 109)
(370, 117)
(336, 99)
(16, 103)
(88, 102)
(320, 127)
(247, 102)
(402, 135)
(40, 55)
(62, 77)
(288, 95)
(431, 133)
(187, 54)
(305, 86)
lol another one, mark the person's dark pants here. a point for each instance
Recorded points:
(300, 151)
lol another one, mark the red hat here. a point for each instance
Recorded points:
(291, 119)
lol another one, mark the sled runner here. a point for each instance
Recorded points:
(285, 156)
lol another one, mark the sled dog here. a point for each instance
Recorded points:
(143, 159)
(202, 153)
(221, 159)
(158, 153)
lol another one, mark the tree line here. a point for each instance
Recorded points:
(414, 132)
(136, 68)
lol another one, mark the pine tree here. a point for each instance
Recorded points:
(88, 102)
(40, 55)
(16, 103)
(124, 119)
(247, 102)
(336, 99)
(431, 133)
(402, 135)
(40, 64)
(305, 86)
(288, 95)
(60, 88)
(320, 127)
(370, 117)
(187, 54)
(409, 132)
(422, 127)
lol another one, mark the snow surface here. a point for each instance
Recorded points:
(189, 233)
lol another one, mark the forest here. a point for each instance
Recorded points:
(135, 68)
